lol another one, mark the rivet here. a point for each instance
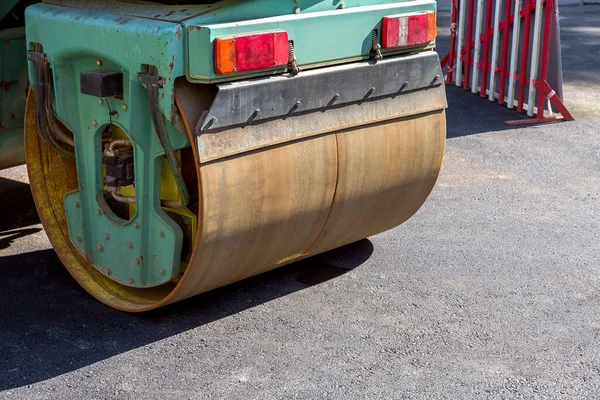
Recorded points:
(124, 106)
(116, 115)
(131, 281)
(136, 261)
(136, 225)
(78, 238)
(108, 272)
(106, 236)
(161, 233)
(100, 101)
(76, 204)
(297, 10)
(130, 245)
(162, 271)
(298, 103)
(342, 5)
(94, 122)
(98, 62)
(100, 247)
(99, 212)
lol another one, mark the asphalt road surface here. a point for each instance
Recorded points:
(491, 291)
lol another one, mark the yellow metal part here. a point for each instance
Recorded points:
(264, 209)
(168, 186)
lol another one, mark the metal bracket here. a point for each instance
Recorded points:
(251, 101)
(152, 80)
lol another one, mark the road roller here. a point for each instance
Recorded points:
(174, 147)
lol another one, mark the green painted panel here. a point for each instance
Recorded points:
(241, 10)
(145, 250)
(218, 12)
(320, 38)
(72, 34)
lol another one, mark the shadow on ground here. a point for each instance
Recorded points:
(50, 326)
(18, 209)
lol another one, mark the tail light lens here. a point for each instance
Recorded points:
(408, 29)
(251, 52)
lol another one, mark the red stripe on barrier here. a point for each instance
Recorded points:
(504, 52)
(544, 91)
(485, 65)
(469, 45)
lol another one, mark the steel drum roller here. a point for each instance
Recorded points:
(265, 208)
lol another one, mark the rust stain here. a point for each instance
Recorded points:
(197, 28)
(171, 66)
(178, 32)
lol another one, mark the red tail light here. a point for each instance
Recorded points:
(408, 29)
(251, 52)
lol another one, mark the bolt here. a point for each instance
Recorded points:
(78, 238)
(100, 101)
(136, 225)
(108, 272)
(100, 247)
(130, 245)
(211, 122)
(99, 212)
(94, 122)
(162, 271)
(106, 236)
(115, 114)
(297, 10)
(98, 62)
(161, 233)
(342, 5)
(76, 204)
(131, 281)
(136, 261)
(124, 107)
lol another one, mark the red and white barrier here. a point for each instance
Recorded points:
(501, 49)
